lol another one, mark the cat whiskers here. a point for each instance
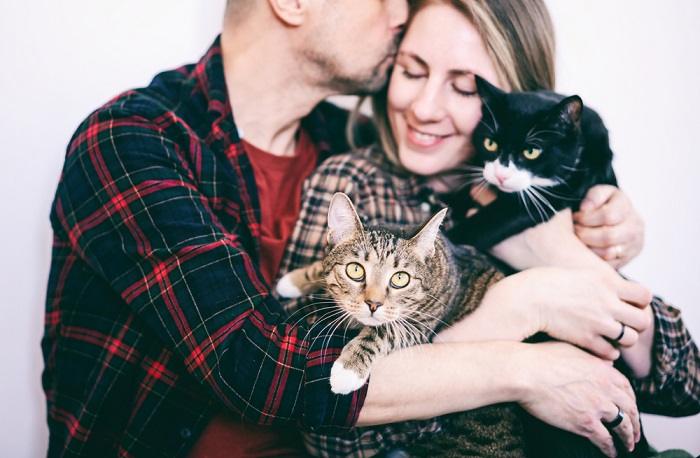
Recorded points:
(540, 202)
(336, 317)
(552, 193)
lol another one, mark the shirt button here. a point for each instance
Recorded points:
(425, 206)
(185, 433)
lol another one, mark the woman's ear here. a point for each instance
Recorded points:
(290, 12)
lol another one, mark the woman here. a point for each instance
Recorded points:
(425, 120)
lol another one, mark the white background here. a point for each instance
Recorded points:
(633, 60)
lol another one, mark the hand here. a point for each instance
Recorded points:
(609, 225)
(586, 307)
(572, 390)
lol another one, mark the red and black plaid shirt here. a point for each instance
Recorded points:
(156, 315)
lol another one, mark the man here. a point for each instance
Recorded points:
(167, 237)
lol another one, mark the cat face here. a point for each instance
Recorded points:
(526, 140)
(374, 275)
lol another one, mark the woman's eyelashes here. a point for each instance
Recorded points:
(456, 88)
(412, 75)
(463, 92)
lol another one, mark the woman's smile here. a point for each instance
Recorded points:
(420, 139)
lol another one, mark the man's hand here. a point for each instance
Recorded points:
(575, 391)
(609, 225)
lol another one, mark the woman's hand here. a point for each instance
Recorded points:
(585, 307)
(609, 225)
(588, 307)
(572, 390)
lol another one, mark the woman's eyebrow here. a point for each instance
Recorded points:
(415, 57)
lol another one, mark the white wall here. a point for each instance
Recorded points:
(636, 63)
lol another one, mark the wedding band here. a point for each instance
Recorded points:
(622, 333)
(615, 421)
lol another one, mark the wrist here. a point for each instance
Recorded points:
(517, 300)
(519, 372)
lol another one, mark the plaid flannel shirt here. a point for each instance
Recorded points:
(383, 194)
(156, 315)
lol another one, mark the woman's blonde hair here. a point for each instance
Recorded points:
(519, 38)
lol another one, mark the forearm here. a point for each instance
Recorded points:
(432, 380)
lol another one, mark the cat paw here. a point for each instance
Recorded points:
(344, 381)
(286, 288)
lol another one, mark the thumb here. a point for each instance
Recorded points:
(597, 196)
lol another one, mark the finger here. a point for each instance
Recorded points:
(625, 398)
(631, 316)
(601, 438)
(614, 262)
(610, 212)
(603, 348)
(620, 334)
(633, 293)
(606, 237)
(625, 431)
(597, 196)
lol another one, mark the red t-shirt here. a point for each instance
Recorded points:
(279, 181)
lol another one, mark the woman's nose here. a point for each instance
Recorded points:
(427, 107)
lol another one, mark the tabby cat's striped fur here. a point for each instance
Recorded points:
(443, 286)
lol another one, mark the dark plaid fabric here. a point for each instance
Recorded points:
(382, 194)
(156, 316)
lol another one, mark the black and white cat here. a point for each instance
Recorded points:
(541, 151)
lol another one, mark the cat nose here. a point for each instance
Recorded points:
(373, 305)
(501, 176)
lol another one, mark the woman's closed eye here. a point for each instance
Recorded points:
(413, 75)
(464, 85)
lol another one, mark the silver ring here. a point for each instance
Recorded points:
(615, 421)
(622, 333)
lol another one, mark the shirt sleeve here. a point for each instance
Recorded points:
(134, 209)
(673, 385)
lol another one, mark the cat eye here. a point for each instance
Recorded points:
(532, 153)
(399, 280)
(355, 271)
(490, 145)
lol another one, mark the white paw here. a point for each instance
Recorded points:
(285, 287)
(344, 381)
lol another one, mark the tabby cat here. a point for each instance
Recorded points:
(541, 151)
(402, 286)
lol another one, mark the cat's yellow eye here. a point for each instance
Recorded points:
(490, 145)
(532, 153)
(355, 271)
(399, 280)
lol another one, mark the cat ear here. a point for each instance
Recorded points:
(487, 91)
(569, 110)
(343, 222)
(424, 240)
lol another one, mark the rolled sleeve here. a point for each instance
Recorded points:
(673, 385)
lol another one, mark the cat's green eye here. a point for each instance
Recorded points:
(490, 145)
(399, 280)
(532, 153)
(355, 271)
